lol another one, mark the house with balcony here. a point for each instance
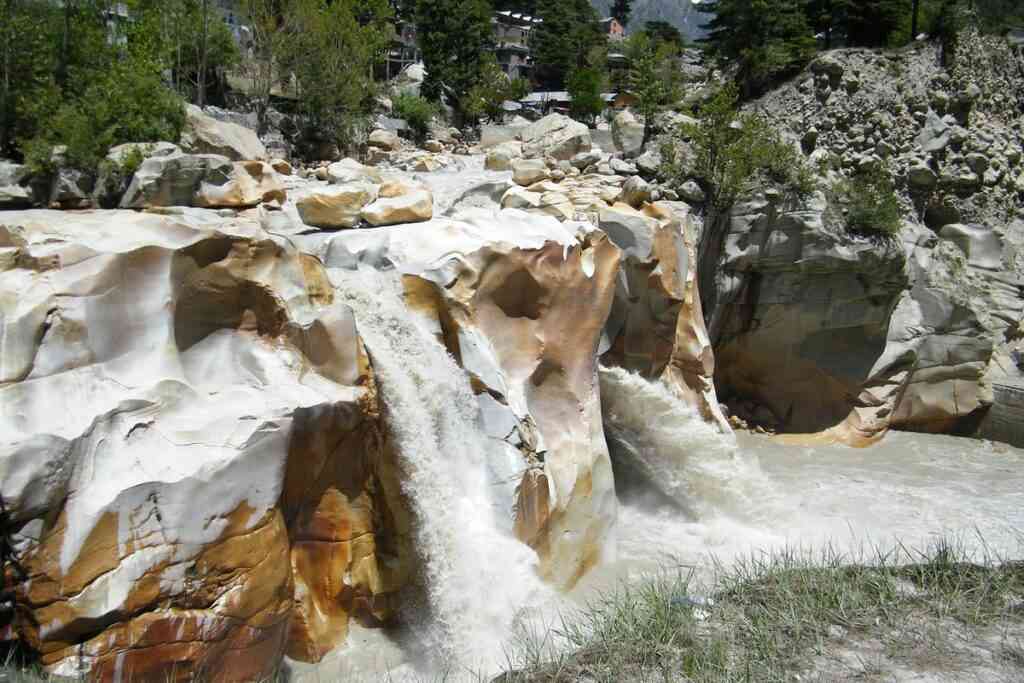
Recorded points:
(511, 46)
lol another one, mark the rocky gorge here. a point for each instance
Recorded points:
(250, 409)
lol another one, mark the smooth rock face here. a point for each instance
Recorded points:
(216, 491)
(173, 180)
(800, 314)
(206, 135)
(520, 302)
(250, 183)
(336, 206)
(203, 180)
(556, 136)
(656, 327)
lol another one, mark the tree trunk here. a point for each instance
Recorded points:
(913, 20)
(203, 51)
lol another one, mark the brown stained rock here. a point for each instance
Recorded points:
(656, 326)
(230, 497)
(541, 310)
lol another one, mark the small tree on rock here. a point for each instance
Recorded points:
(654, 77)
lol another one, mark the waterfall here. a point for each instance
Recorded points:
(477, 575)
(660, 443)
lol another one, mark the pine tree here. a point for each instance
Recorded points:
(453, 35)
(874, 22)
(766, 39)
(564, 38)
(621, 10)
(653, 78)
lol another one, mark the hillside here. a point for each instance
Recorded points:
(682, 14)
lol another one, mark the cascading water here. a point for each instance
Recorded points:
(658, 438)
(478, 576)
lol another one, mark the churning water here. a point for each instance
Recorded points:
(693, 494)
(477, 575)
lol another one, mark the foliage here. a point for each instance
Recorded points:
(27, 63)
(621, 10)
(563, 40)
(190, 38)
(485, 99)
(766, 39)
(452, 35)
(329, 48)
(586, 86)
(653, 78)
(872, 206)
(127, 104)
(664, 32)
(416, 111)
(731, 149)
(873, 22)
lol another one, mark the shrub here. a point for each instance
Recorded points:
(493, 88)
(731, 149)
(417, 112)
(872, 206)
(129, 104)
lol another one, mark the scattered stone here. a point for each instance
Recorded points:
(690, 192)
(557, 136)
(336, 206)
(14, 190)
(635, 191)
(385, 139)
(628, 134)
(433, 146)
(622, 167)
(414, 206)
(281, 166)
(529, 171)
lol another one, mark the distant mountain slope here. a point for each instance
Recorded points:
(682, 14)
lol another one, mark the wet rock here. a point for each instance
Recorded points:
(223, 362)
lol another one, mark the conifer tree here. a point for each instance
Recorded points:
(621, 10)
(563, 40)
(453, 36)
(766, 39)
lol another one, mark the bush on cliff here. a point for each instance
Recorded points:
(871, 204)
(730, 150)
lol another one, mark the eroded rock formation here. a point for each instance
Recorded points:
(193, 469)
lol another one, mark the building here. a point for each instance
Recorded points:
(403, 50)
(512, 42)
(613, 29)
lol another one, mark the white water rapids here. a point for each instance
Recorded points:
(711, 495)
(477, 575)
